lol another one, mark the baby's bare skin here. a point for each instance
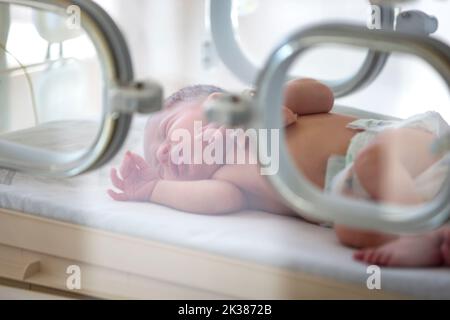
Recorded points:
(310, 150)
(312, 135)
(314, 138)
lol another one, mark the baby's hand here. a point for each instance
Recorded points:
(137, 182)
(289, 117)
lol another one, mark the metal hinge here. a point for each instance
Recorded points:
(140, 97)
(416, 22)
(230, 110)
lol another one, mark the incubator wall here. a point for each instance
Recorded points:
(171, 42)
(43, 78)
(54, 86)
(174, 54)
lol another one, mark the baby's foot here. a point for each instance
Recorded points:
(408, 251)
(445, 247)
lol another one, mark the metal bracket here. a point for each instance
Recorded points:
(230, 110)
(139, 97)
(416, 22)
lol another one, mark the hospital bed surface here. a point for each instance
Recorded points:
(258, 237)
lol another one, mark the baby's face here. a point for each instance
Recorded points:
(160, 142)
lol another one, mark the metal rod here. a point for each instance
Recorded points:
(291, 185)
(228, 48)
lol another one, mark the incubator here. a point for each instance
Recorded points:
(406, 32)
(85, 86)
(76, 45)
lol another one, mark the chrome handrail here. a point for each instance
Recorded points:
(117, 74)
(291, 185)
(228, 49)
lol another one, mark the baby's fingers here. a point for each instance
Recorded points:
(289, 117)
(127, 166)
(117, 196)
(117, 182)
(139, 161)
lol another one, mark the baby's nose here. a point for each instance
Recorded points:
(163, 152)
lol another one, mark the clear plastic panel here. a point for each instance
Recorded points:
(51, 82)
(389, 150)
(230, 21)
(282, 18)
(384, 168)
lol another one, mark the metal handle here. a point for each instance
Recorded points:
(227, 45)
(119, 88)
(292, 186)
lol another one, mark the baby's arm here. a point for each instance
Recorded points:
(138, 182)
(308, 96)
(200, 196)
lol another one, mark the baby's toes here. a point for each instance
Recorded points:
(381, 257)
(359, 255)
(371, 256)
(385, 259)
(364, 255)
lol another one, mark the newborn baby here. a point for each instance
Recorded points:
(385, 168)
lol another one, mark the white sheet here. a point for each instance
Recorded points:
(254, 236)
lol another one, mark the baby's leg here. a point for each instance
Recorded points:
(359, 239)
(385, 180)
(386, 169)
(308, 96)
(426, 250)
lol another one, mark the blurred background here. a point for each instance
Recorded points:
(170, 42)
(167, 38)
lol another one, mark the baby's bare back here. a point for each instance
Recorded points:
(311, 141)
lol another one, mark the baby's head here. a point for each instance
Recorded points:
(181, 110)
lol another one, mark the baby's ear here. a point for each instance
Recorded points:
(208, 99)
(214, 95)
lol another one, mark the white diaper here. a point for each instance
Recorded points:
(341, 179)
